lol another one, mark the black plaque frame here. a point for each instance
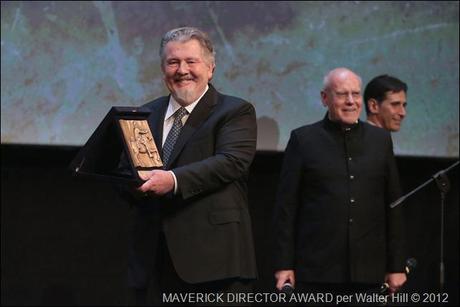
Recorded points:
(102, 155)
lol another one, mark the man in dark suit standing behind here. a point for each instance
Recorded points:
(385, 99)
(192, 229)
(334, 228)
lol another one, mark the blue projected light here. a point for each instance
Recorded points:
(64, 64)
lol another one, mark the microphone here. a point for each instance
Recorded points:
(384, 288)
(411, 263)
(287, 288)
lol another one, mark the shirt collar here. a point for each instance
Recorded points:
(339, 126)
(371, 123)
(173, 105)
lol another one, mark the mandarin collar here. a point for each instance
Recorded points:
(338, 126)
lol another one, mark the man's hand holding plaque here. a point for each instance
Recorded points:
(158, 182)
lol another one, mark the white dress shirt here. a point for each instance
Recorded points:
(173, 106)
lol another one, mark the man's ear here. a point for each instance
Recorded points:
(373, 105)
(323, 98)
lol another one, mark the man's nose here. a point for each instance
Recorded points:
(349, 98)
(402, 111)
(183, 67)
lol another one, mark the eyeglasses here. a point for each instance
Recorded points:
(344, 95)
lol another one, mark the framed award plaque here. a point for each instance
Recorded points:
(120, 149)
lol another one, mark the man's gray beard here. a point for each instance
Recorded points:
(184, 96)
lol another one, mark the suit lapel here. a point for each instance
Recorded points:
(156, 122)
(199, 114)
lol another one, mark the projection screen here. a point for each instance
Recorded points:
(64, 64)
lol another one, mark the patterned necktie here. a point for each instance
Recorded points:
(173, 134)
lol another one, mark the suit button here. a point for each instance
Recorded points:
(352, 200)
(352, 177)
(349, 159)
(350, 220)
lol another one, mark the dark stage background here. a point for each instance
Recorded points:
(64, 240)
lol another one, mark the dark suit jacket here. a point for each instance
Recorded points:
(332, 221)
(206, 224)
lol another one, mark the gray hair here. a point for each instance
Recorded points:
(185, 34)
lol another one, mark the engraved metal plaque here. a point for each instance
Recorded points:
(141, 145)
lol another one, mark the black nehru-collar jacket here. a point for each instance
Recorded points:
(332, 219)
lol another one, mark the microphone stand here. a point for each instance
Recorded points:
(442, 181)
